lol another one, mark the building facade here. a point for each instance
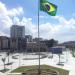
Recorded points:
(17, 40)
(34, 47)
(18, 44)
(17, 31)
(4, 43)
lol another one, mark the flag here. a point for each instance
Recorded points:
(48, 7)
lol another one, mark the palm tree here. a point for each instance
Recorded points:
(3, 59)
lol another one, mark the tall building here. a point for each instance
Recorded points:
(17, 40)
(17, 31)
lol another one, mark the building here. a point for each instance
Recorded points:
(28, 38)
(17, 40)
(17, 31)
(0, 43)
(34, 47)
(21, 44)
(4, 43)
(18, 44)
(13, 44)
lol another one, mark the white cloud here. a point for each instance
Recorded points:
(15, 11)
(6, 17)
(63, 31)
(3, 9)
(30, 28)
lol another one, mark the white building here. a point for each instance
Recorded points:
(34, 47)
(17, 40)
(17, 31)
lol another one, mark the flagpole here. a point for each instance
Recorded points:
(38, 38)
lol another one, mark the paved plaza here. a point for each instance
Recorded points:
(20, 59)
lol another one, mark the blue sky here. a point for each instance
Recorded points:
(65, 7)
(25, 12)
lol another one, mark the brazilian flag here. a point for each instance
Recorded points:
(48, 7)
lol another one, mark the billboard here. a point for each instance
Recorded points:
(56, 50)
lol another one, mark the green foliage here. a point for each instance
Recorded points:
(45, 69)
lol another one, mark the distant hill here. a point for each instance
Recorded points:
(71, 43)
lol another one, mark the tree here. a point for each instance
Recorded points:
(50, 43)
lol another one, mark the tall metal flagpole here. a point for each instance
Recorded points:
(38, 37)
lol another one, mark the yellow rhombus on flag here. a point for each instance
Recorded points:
(48, 7)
